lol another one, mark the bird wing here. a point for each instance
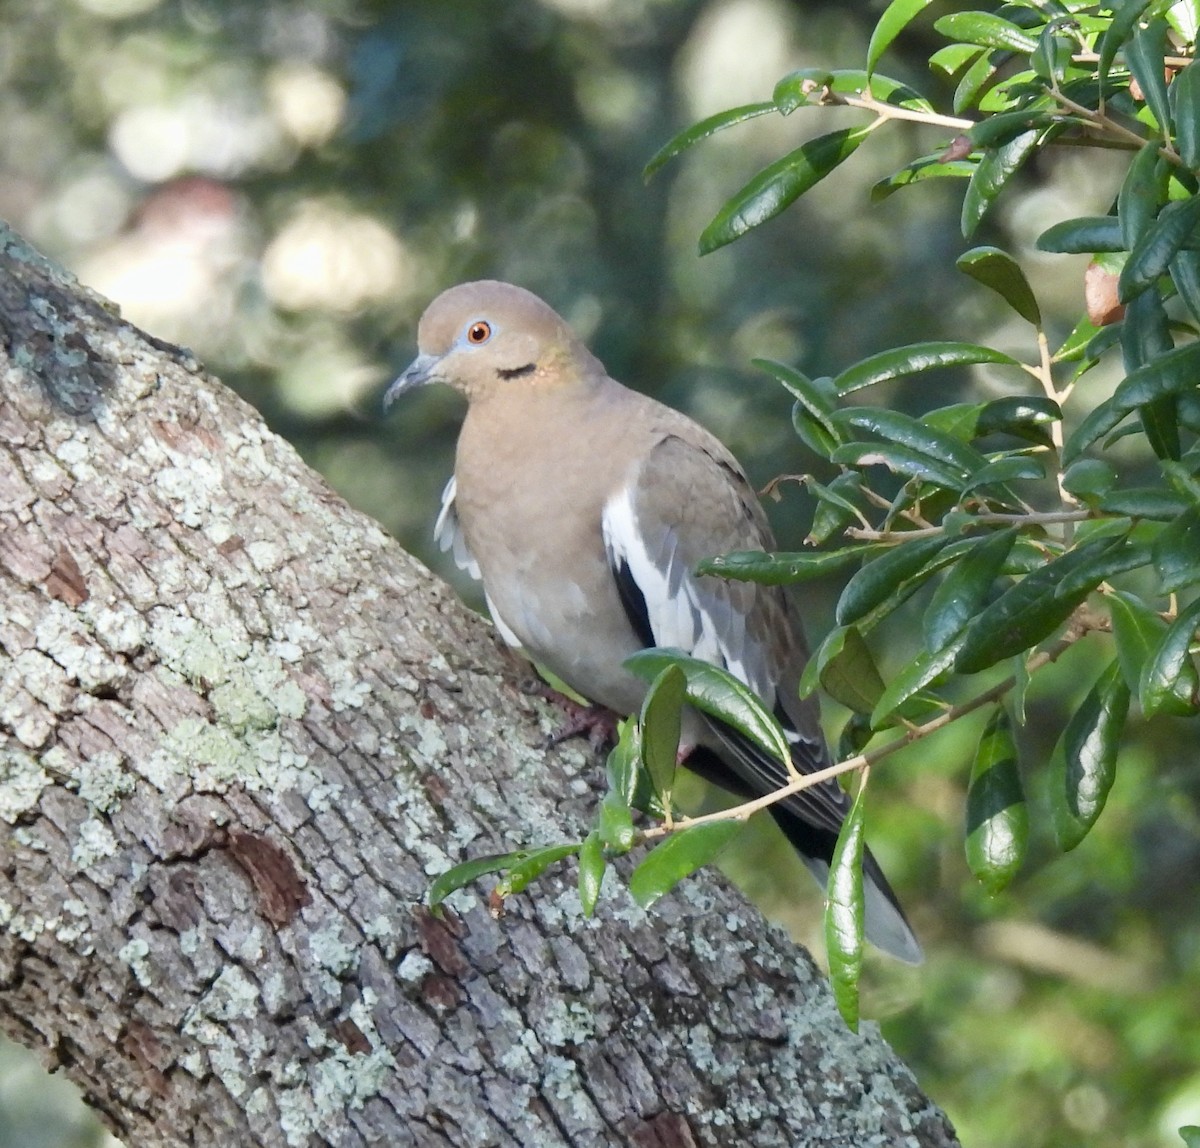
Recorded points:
(448, 534)
(689, 500)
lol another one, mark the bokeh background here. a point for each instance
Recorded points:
(283, 185)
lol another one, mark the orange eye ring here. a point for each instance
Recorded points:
(479, 332)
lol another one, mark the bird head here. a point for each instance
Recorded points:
(481, 338)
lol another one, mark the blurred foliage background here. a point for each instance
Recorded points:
(282, 186)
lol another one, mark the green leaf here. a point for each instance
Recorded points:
(879, 579)
(805, 87)
(1125, 16)
(1028, 611)
(615, 824)
(1169, 374)
(965, 589)
(591, 872)
(780, 184)
(1144, 53)
(1143, 191)
(1190, 1134)
(1152, 254)
(844, 914)
(719, 694)
(1002, 273)
(1150, 502)
(624, 765)
(1089, 479)
(996, 168)
(951, 59)
(848, 673)
(662, 713)
(1026, 417)
(523, 861)
(896, 17)
(915, 675)
(919, 170)
(1177, 552)
(985, 29)
(907, 431)
(837, 506)
(1184, 270)
(1085, 758)
(533, 866)
(1074, 347)
(1186, 89)
(1137, 630)
(780, 569)
(1084, 235)
(913, 359)
(1001, 471)
(898, 459)
(705, 128)
(1119, 558)
(816, 400)
(1169, 683)
(679, 856)
(997, 817)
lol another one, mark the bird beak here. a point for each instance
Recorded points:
(422, 370)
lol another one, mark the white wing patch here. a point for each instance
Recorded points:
(680, 616)
(448, 535)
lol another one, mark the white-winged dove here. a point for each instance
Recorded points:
(584, 508)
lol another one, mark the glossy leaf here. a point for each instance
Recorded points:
(844, 913)
(996, 168)
(1158, 245)
(920, 169)
(1144, 53)
(965, 589)
(705, 128)
(1184, 270)
(1119, 558)
(1000, 471)
(913, 359)
(896, 17)
(624, 765)
(974, 80)
(1169, 683)
(719, 694)
(1186, 90)
(1177, 552)
(662, 712)
(1028, 611)
(1023, 416)
(1190, 1135)
(1084, 235)
(848, 673)
(985, 29)
(837, 506)
(899, 460)
(779, 185)
(807, 87)
(591, 872)
(679, 856)
(897, 427)
(1137, 630)
(782, 568)
(1089, 479)
(518, 876)
(1002, 273)
(1084, 761)
(997, 816)
(917, 673)
(1169, 374)
(1149, 502)
(615, 824)
(523, 860)
(1143, 191)
(879, 578)
(1125, 16)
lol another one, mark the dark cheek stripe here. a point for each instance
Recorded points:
(517, 372)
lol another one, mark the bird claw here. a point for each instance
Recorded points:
(598, 722)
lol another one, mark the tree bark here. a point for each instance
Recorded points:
(240, 730)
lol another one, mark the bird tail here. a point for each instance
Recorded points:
(884, 922)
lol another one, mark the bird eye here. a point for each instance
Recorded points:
(479, 332)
